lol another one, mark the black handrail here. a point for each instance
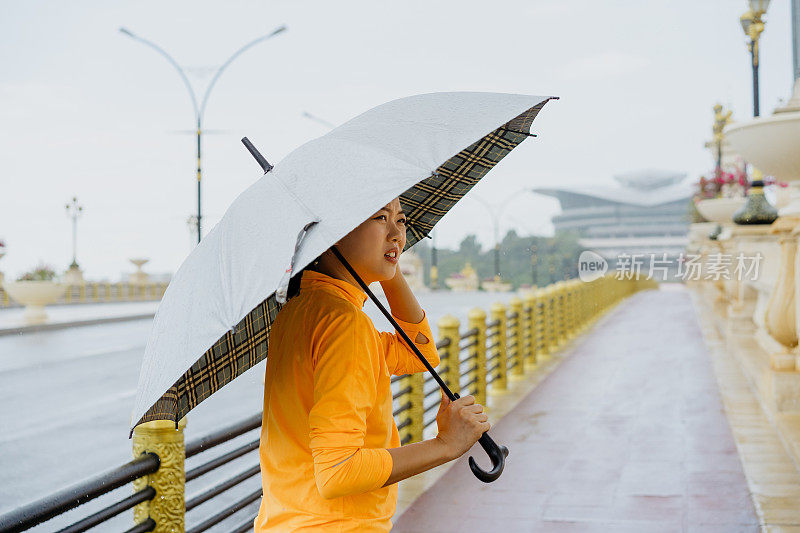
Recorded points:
(245, 526)
(468, 333)
(225, 513)
(223, 435)
(67, 499)
(401, 392)
(143, 527)
(402, 408)
(146, 494)
(470, 344)
(222, 487)
(221, 460)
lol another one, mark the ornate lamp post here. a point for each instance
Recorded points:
(753, 25)
(74, 275)
(200, 109)
(720, 121)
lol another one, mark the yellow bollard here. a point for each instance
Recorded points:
(448, 329)
(530, 306)
(167, 508)
(517, 333)
(477, 319)
(514, 340)
(498, 313)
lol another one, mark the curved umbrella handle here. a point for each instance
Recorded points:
(496, 453)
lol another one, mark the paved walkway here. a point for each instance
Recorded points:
(628, 434)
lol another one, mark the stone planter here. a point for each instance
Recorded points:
(34, 295)
(720, 210)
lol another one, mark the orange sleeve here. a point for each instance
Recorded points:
(345, 389)
(400, 359)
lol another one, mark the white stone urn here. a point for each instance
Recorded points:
(771, 143)
(34, 295)
(139, 277)
(720, 210)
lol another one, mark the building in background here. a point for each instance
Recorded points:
(644, 221)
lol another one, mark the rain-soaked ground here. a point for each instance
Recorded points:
(66, 397)
(628, 434)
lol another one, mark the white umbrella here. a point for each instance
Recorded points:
(214, 319)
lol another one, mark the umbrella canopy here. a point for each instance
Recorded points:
(214, 320)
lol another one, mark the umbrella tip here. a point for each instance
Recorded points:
(265, 166)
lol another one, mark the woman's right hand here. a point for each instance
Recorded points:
(461, 423)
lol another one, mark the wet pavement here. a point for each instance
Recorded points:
(627, 434)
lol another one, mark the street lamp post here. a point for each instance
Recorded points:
(496, 214)
(753, 25)
(200, 110)
(720, 121)
(74, 211)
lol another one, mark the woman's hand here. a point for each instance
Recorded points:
(461, 423)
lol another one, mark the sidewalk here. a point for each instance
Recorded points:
(627, 434)
(69, 315)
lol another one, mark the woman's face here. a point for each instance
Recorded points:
(365, 247)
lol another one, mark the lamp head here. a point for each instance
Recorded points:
(746, 20)
(759, 7)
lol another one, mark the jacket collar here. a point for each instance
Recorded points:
(344, 289)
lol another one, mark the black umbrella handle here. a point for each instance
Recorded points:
(496, 453)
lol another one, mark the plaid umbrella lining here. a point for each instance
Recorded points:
(425, 203)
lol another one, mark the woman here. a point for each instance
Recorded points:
(330, 451)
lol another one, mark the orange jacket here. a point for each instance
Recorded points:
(328, 411)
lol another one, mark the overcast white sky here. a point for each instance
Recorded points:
(86, 111)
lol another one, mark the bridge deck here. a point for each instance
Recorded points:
(628, 434)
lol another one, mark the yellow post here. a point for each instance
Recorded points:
(516, 333)
(573, 315)
(530, 305)
(448, 329)
(498, 313)
(561, 316)
(477, 319)
(167, 508)
(415, 396)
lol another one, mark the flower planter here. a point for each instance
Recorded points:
(720, 210)
(34, 295)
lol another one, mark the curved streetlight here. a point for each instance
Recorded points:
(74, 211)
(199, 110)
(496, 215)
(753, 25)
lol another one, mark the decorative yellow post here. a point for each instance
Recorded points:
(569, 292)
(498, 313)
(531, 306)
(561, 314)
(167, 508)
(516, 333)
(416, 396)
(547, 322)
(556, 336)
(477, 319)
(448, 329)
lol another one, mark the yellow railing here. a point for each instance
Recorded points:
(516, 338)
